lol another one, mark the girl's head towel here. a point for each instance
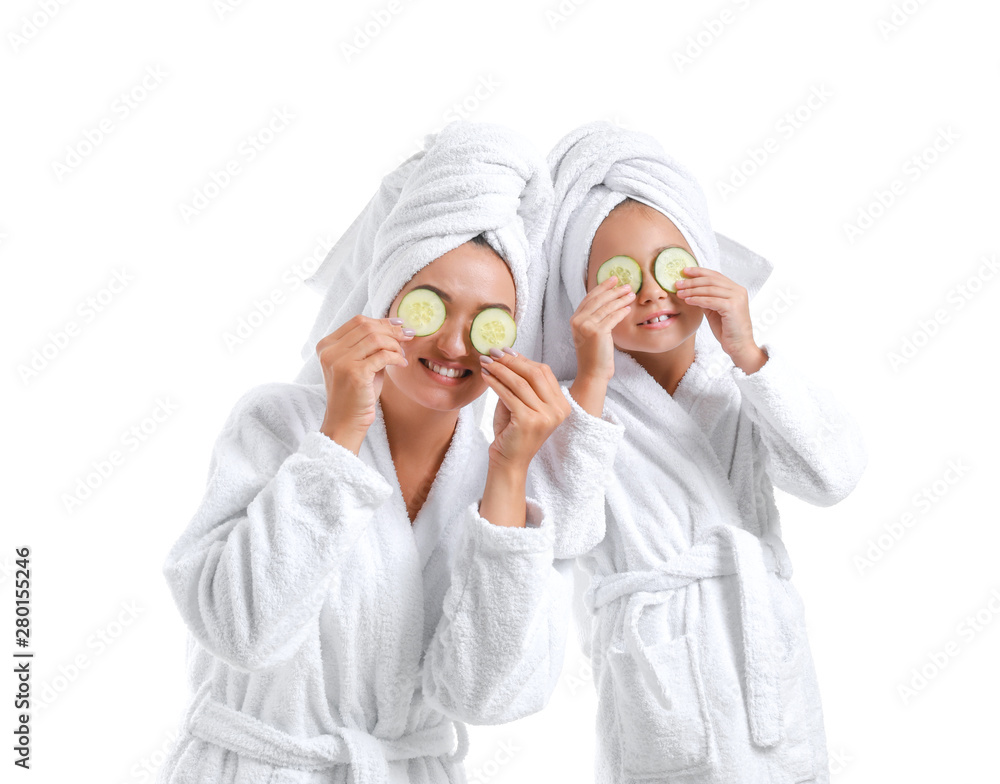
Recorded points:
(470, 179)
(594, 168)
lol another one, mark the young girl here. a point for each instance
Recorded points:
(696, 635)
(366, 572)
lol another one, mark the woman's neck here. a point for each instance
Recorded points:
(668, 367)
(409, 424)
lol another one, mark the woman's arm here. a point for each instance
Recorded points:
(498, 649)
(282, 508)
(569, 473)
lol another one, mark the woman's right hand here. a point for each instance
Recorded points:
(353, 359)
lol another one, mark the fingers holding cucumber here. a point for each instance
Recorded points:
(353, 359)
(600, 311)
(530, 408)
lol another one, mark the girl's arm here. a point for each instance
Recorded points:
(282, 508)
(813, 447)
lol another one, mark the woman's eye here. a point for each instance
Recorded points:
(423, 311)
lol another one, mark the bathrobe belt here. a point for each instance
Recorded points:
(725, 550)
(367, 754)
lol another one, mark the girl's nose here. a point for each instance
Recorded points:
(650, 290)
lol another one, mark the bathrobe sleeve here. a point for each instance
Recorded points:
(282, 507)
(814, 448)
(497, 652)
(569, 472)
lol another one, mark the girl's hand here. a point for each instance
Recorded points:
(727, 308)
(531, 406)
(354, 358)
(597, 314)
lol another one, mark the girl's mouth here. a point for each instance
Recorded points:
(445, 375)
(659, 321)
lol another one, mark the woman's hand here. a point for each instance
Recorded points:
(531, 406)
(354, 358)
(727, 308)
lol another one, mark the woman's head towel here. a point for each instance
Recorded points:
(594, 168)
(470, 179)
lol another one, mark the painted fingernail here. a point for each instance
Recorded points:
(495, 352)
(486, 372)
(485, 359)
(409, 332)
(395, 320)
(509, 350)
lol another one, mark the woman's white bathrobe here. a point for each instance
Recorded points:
(698, 643)
(333, 642)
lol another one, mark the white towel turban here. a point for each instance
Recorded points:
(470, 179)
(594, 168)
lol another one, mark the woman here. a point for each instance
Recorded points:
(365, 571)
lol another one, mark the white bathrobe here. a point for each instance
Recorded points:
(331, 641)
(696, 635)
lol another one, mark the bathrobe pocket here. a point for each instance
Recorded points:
(664, 725)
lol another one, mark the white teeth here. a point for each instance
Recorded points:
(443, 371)
(658, 318)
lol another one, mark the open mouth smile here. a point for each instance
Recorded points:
(659, 320)
(445, 374)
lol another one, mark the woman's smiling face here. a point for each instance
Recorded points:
(633, 229)
(468, 279)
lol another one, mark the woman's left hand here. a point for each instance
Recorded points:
(727, 308)
(530, 408)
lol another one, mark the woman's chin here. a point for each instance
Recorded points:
(427, 393)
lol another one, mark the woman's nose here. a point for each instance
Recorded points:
(451, 339)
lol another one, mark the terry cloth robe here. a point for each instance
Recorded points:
(697, 636)
(330, 640)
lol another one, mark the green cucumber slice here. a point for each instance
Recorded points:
(625, 267)
(492, 328)
(668, 265)
(422, 311)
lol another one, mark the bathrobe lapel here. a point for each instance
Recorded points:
(652, 403)
(442, 500)
(395, 628)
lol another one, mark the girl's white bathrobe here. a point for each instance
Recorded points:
(698, 640)
(331, 641)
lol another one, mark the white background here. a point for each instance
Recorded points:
(838, 304)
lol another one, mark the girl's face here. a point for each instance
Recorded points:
(468, 279)
(641, 232)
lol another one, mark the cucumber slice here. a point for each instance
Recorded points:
(668, 265)
(625, 267)
(422, 311)
(492, 328)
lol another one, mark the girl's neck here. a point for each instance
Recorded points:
(668, 367)
(409, 425)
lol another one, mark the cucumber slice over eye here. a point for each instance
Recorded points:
(625, 267)
(668, 265)
(492, 328)
(422, 311)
